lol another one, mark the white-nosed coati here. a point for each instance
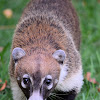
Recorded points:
(45, 61)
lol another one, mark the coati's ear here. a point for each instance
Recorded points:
(17, 53)
(59, 55)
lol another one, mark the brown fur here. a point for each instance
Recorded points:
(45, 37)
(47, 26)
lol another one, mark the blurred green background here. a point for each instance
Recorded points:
(89, 15)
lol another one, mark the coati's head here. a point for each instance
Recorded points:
(37, 74)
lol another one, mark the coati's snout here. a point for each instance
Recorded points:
(36, 87)
(37, 74)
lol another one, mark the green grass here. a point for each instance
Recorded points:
(89, 15)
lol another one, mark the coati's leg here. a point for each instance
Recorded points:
(63, 95)
(16, 91)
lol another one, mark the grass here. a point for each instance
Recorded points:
(88, 12)
(89, 15)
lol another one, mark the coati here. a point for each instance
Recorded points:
(45, 62)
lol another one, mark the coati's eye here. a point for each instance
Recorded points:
(48, 81)
(25, 81)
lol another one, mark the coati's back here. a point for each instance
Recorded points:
(45, 50)
(60, 11)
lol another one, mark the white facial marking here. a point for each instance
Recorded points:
(24, 76)
(23, 85)
(36, 96)
(50, 86)
(49, 77)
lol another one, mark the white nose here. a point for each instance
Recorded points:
(36, 96)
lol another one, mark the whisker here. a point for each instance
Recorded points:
(54, 95)
(57, 94)
(50, 98)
